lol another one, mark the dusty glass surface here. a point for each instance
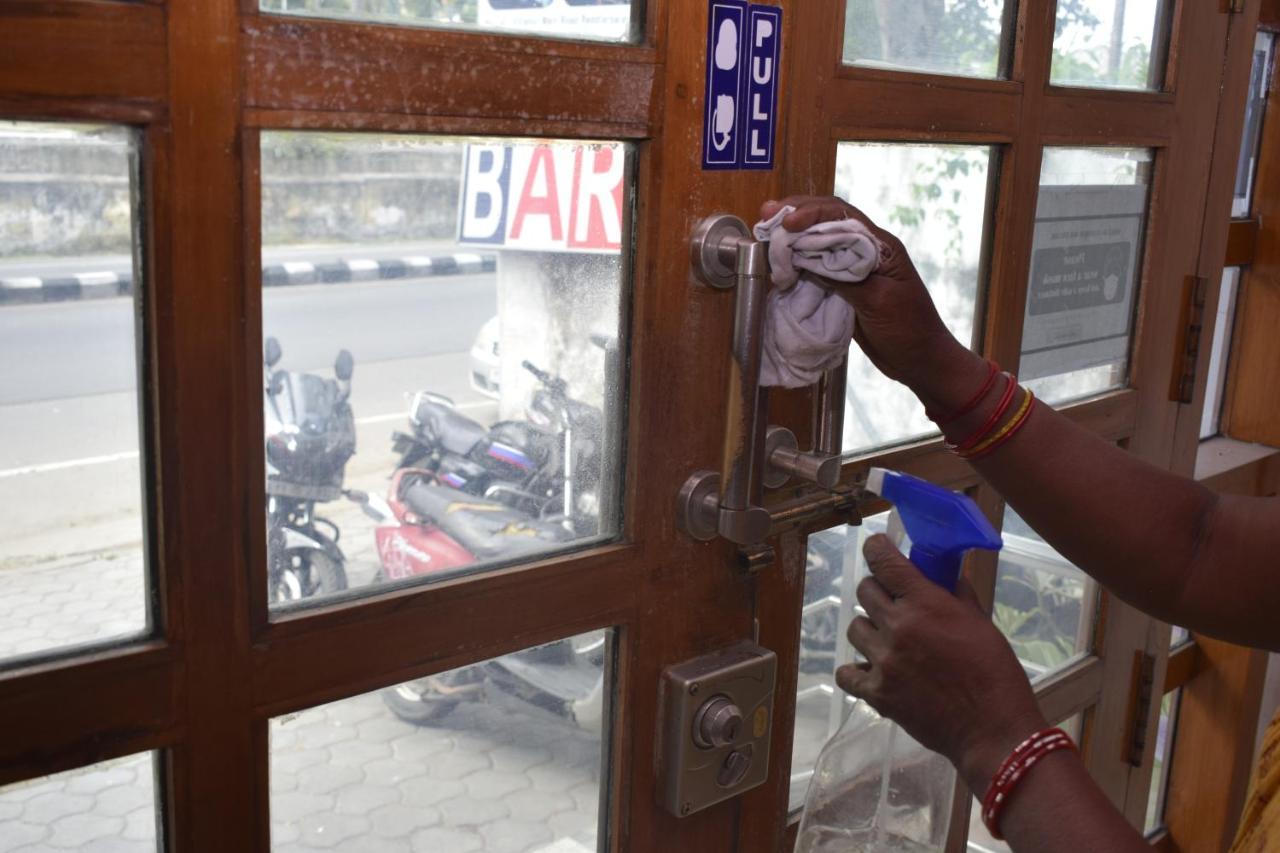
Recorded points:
(1163, 755)
(109, 807)
(72, 560)
(1086, 265)
(1113, 44)
(934, 197)
(1255, 111)
(1044, 605)
(474, 289)
(963, 37)
(1223, 324)
(505, 754)
(584, 20)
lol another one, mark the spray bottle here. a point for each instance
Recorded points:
(874, 788)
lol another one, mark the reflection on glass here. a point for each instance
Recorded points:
(501, 755)
(1163, 756)
(450, 309)
(72, 561)
(585, 20)
(1255, 109)
(1115, 44)
(1085, 268)
(934, 197)
(833, 570)
(109, 806)
(980, 841)
(965, 37)
(1044, 605)
(1223, 324)
(1178, 636)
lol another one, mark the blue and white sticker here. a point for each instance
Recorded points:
(759, 119)
(722, 132)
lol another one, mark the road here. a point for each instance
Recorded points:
(118, 263)
(69, 467)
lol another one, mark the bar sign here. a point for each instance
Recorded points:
(764, 47)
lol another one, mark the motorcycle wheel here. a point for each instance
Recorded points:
(305, 574)
(420, 701)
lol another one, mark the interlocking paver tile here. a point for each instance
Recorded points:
(438, 840)
(514, 836)
(73, 831)
(493, 785)
(327, 831)
(362, 799)
(468, 812)
(399, 821)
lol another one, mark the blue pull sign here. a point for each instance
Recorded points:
(764, 49)
(744, 48)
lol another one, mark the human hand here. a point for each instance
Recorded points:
(896, 323)
(937, 666)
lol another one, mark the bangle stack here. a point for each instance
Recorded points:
(999, 427)
(1014, 769)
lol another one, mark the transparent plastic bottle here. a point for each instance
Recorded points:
(876, 789)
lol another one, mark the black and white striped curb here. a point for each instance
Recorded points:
(98, 285)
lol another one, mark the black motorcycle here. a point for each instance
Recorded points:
(548, 466)
(310, 435)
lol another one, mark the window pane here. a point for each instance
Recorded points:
(966, 37)
(1163, 757)
(1255, 109)
(503, 755)
(72, 562)
(103, 808)
(1043, 604)
(1085, 267)
(1114, 44)
(1178, 636)
(935, 198)
(1223, 324)
(980, 841)
(477, 285)
(585, 20)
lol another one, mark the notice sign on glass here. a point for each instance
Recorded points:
(1084, 278)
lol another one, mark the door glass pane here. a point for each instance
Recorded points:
(1114, 44)
(1223, 324)
(1043, 604)
(478, 288)
(965, 37)
(103, 808)
(1163, 758)
(586, 20)
(934, 197)
(1085, 268)
(833, 570)
(503, 755)
(980, 841)
(1255, 109)
(72, 561)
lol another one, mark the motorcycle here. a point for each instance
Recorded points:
(426, 528)
(310, 436)
(549, 465)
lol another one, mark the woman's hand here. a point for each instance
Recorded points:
(938, 667)
(896, 323)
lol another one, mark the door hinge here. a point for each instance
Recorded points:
(1231, 7)
(1141, 693)
(1182, 385)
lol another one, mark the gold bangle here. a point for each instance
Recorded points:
(1027, 399)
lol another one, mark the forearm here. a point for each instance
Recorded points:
(1131, 526)
(1057, 808)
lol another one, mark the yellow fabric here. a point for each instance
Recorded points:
(1260, 823)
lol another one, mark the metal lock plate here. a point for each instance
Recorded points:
(718, 713)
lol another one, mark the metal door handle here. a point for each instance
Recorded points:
(728, 503)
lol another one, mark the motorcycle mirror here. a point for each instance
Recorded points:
(344, 366)
(272, 352)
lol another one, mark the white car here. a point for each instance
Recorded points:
(486, 366)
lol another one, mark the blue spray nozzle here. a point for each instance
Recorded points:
(942, 524)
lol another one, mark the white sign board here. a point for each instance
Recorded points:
(1085, 260)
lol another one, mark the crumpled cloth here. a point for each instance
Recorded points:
(807, 328)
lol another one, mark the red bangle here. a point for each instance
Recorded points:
(1009, 431)
(992, 373)
(1001, 410)
(1014, 769)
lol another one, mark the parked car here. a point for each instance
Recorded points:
(486, 367)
